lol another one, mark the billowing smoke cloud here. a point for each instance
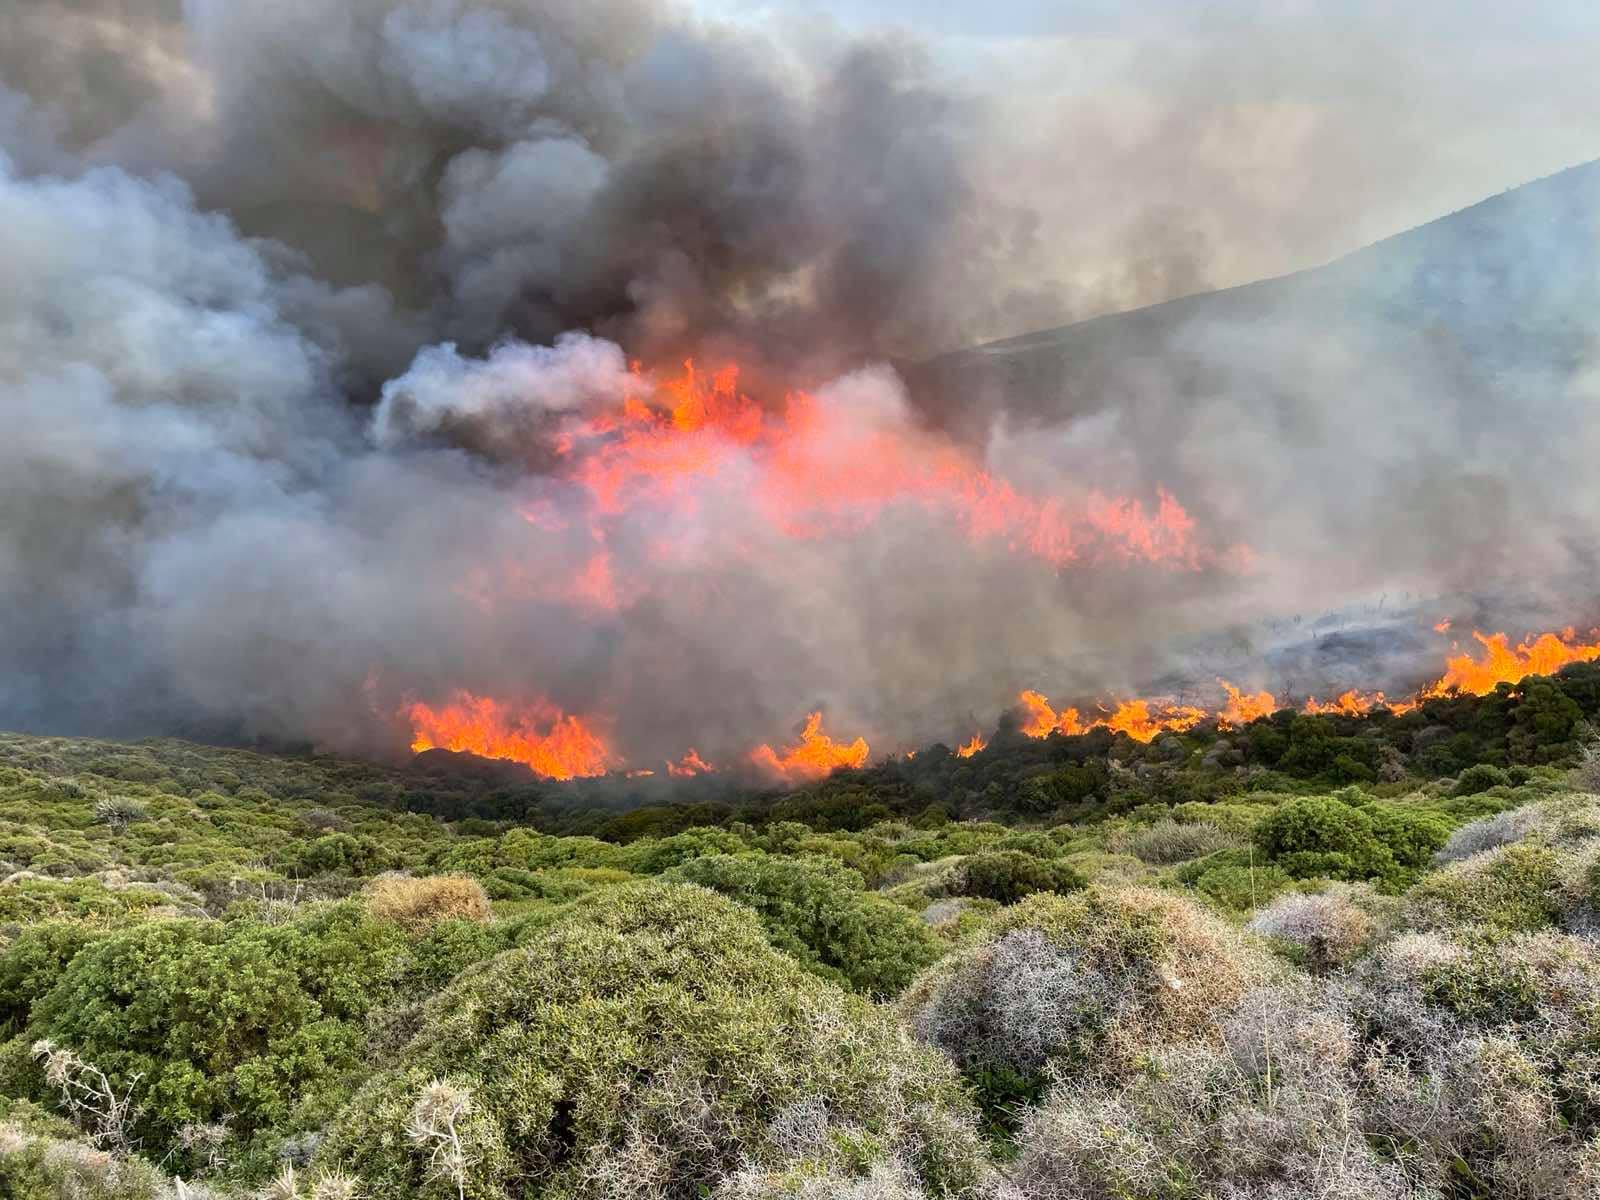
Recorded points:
(317, 375)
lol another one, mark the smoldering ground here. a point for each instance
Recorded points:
(244, 487)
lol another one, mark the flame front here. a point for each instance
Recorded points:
(968, 748)
(813, 756)
(1144, 719)
(554, 744)
(1241, 709)
(1504, 663)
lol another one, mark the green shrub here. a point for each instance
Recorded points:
(1323, 837)
(1007, 876)
(1240, 887)
(86, 899)
(223, 1018)
(1479, 779)
(814, 909)
(1506, 889)
(645, 1043)
(32, 962)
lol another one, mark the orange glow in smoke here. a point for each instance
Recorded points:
(689, 765)
(554, 744)
(817, 470)
(813, 756)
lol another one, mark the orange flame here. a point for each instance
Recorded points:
(1241, 709)
(1501, 663)
(1442, 626)
(1504, 663)
(814, 756)
(1354, 703)
(689, 765)
(969, 748)
(819, 470)
(1040, 720)
(1139, 719)
(566, 749)
(1135, 718)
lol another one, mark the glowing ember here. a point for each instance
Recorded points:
(1504, 663)
(814, 756)
(690, 764)
(971, 747)
(554, 744)
(1442, 626)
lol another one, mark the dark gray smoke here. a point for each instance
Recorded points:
(298, 295)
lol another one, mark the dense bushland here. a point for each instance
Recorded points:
(1327, 956)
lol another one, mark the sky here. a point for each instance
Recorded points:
(1169, 146)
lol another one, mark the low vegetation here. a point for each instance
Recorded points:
(1316, 956)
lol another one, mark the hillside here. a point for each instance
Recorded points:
(1326, 955)
(1508, 289)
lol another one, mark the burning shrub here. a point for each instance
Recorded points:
(597, 1058)
(814, 910)
(1080, 983)
(427, 902)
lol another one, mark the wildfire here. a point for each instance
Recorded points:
(816, 469)
(689, 765)
(554, 744)
(1442, 626)
(1353, 703)
(1040, 720)
(1504, 663)
(1139, 719)
(815, 755)
(1241, 709)
(1144, 719)
(972, 746)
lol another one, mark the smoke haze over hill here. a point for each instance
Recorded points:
(318, 346)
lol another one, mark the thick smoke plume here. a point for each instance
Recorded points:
(323, 324)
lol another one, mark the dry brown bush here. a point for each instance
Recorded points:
(428, 901)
